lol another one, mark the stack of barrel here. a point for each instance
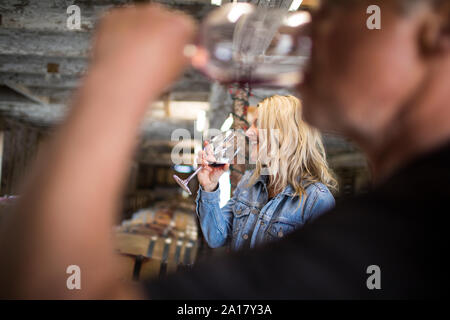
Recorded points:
(158, 240)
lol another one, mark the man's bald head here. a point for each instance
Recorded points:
(402, 5)
(360, 80)
(407, 5)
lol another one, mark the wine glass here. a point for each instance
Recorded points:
(221, 147)
(242, 43)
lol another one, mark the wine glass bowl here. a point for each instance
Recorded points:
(221, 148)
(242, 43)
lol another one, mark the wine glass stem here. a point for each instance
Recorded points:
(193, 175)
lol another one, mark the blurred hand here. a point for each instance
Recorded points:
(139, 49)
(138, 52)
(209, 176)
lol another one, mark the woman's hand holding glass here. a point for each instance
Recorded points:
(211, 172)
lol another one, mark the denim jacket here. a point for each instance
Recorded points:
(249, 219)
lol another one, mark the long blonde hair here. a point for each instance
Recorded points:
(299, 159)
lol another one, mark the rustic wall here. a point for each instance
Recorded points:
(21, 141)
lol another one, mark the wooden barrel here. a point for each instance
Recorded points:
(157, 241)
(145, 257)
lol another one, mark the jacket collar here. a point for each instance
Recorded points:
(288, 190)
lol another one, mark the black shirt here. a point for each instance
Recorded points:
(399, 227)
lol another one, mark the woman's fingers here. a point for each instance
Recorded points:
(217, 173)
(201, 158)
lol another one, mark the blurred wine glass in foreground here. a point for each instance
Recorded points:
(241, 43)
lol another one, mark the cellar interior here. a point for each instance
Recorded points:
(41, 66)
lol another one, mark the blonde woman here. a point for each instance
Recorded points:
(288, 188)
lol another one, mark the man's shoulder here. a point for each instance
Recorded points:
(419, 187)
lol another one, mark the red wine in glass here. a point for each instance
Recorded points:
(222, 148)
(217, 165)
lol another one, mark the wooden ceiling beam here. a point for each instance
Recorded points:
(51, 15)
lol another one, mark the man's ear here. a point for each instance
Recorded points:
(435, 35)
